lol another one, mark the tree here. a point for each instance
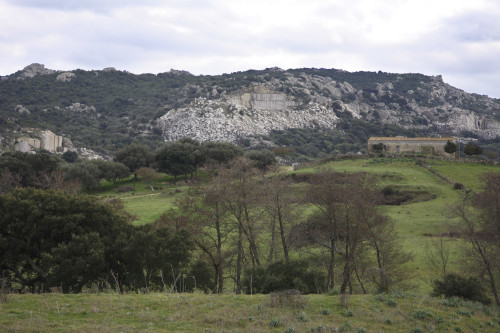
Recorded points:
(148, 175)
(87, 172)
(70, 156)
(112, 171)
(280, 204)
(479, 222)
(209, 224)
(52, 239)
(29, 166)
(239, 197)
(262, 159)
(470, 149)
(346, 222)
(179, 158)
(450, 147)
(134, 156)
(220, 152)
(151, 255)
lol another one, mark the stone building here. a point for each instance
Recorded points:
(431, 146)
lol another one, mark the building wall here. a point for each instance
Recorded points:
(431, 146)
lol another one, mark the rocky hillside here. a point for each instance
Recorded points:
(107, 109)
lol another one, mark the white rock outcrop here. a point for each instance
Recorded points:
(34, 70)
(66, 76)
(255, 111)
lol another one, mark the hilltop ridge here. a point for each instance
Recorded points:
(107, 109)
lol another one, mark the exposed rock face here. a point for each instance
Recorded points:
(305, 100)
(40, 140)
(22, 109)
(77, 107)
(255, 111)
(34, 70)
(66, 76)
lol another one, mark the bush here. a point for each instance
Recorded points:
(283, 275)
(459, 286)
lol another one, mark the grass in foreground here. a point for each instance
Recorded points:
(160, 312)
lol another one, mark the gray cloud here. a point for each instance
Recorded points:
(212, 37)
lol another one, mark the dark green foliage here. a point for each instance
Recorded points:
(87, 172)
(450, 147)
(134, 156)
(29, 166)
(454, 285)
(70, 156)
(51, 239)
(262, 159)
(283, 275)
(179, 158)
(200, 276)
(91, 172)
(151, 256)
(112, 171)
(471, 149)
(220, 152)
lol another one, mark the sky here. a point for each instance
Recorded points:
(458, 39)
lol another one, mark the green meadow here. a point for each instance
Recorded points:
(195, 312)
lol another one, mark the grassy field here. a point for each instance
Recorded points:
(418, 223)
(161, 312)
(140, 201)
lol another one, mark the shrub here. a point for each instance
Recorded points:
(452, 302)
(275, 323)
(283, 275)
(421, 314)
(459, 286)
(392, 303)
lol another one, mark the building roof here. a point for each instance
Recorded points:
(409, 139)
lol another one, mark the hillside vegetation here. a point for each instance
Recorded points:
(106, 110)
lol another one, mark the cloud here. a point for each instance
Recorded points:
(456, 38)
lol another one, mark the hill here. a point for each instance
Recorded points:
(314, 111)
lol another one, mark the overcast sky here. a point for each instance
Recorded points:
(459, 39)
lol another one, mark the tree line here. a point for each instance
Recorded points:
(244, 226)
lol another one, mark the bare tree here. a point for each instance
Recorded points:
(437, 254)
(348, 223)
(279, 200)
(479, 223)
(210, 226)
(238, 184)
